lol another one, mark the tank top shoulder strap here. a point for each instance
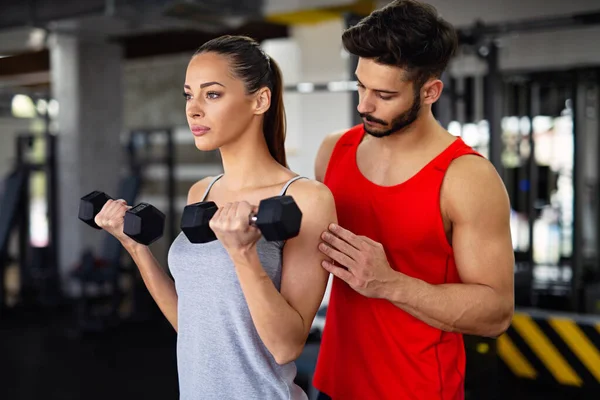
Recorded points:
(288, 183)
(352, 137)
(458, 148)
(210, 185)
(348, 141)
(344, 147)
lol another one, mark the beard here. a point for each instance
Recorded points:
(399, 123)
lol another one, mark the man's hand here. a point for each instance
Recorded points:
(366, 266)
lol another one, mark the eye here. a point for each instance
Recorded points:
(385, 97)
(213, 95)
(187, 96)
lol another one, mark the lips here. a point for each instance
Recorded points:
(199, 130)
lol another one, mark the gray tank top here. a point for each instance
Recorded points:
(219, 352)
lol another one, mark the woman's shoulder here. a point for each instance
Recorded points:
(304, 185)
(309, 193)
(197, 190)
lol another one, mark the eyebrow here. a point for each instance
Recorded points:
(378, 90)
(204, 85)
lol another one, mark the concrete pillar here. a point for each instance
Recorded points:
(87, 83)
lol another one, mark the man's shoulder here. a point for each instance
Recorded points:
(471, 168)
(327, 147)
(333, 138)
(473, 184)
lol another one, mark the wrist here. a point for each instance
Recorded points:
(246, 260)
(134, 248)
(395, 288)
(244, 255)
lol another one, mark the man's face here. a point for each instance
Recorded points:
(388, 103)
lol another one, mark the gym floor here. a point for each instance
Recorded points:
(42, 357)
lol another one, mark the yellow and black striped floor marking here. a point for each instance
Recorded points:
(552, 348)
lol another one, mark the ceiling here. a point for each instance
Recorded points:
(144, 28)
(147, 28)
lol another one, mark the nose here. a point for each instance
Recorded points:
(194, 110)
(365, 105)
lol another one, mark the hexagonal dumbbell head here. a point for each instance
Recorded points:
(90, 205)
(144, 223)
(195, 221)
(278, 218)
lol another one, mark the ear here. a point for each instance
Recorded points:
(262, 100)
(431, 91)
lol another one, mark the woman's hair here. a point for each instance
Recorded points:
(257, 70)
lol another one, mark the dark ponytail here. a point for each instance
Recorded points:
(274, 125)
(250, 63)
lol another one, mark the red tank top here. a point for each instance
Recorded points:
(370, 348)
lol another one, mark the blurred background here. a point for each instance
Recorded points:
(90, 99)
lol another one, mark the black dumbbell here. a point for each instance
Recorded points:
(278, 218)
(143, 223)
(90, 205)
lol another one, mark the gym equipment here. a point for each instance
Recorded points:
(153, 150)
(9, 205)
(278, 218)
(143, 223)
(11, 198)
(90, 205)
(39, 284)
(195, 219)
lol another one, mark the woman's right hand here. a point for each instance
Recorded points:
(111, 218)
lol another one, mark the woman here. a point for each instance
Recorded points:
(242, 306)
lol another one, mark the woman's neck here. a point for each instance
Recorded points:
(247, 163)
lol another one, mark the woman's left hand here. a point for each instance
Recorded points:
(231, 225)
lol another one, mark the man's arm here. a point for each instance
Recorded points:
(324, 154)
(476, 202)
(479, 208)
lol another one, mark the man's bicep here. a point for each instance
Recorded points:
(483, 251)
(481, 236)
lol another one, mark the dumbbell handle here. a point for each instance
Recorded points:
(253, 219)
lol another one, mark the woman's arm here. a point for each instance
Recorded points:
(158, 282)
(111, 218)
(283, 318)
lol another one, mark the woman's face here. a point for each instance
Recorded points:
(217, 107)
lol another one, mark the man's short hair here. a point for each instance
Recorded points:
(408, 34)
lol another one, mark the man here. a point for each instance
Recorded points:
(423, 251)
